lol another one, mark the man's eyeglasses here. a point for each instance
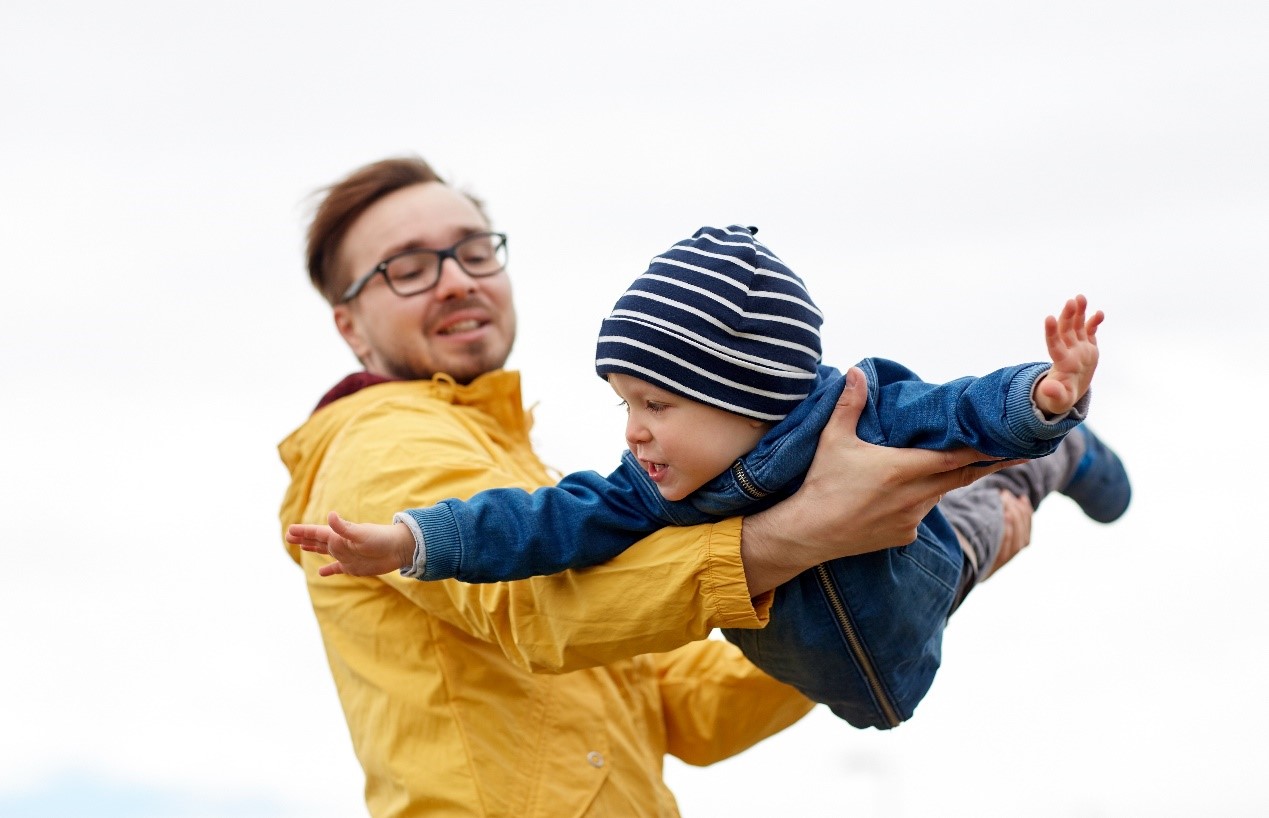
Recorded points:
(411, 272)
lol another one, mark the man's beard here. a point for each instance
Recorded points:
(470, 363)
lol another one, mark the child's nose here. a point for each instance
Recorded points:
(636, 432)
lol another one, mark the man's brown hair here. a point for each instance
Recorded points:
(343, 204)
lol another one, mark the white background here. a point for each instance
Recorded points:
(942, 175)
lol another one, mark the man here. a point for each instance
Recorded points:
(556, 695)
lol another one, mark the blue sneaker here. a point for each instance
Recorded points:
(1099, 485)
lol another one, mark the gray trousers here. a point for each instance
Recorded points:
(976, 514)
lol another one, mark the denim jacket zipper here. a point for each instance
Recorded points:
(839, 611)
(856, 648)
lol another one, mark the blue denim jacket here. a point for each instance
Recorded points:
(860, 634)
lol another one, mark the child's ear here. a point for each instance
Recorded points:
(754, 423)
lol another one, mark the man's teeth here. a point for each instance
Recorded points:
(461, 326)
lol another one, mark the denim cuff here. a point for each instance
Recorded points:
(442, 554)
(415, 569)
(1026, 421)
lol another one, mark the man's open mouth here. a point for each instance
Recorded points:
(461, 326)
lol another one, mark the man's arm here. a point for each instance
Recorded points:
(716, 704)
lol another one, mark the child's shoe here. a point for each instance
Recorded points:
(1100, 484)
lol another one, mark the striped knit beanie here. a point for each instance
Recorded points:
(717, 319)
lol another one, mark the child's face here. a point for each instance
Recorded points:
(681, 443)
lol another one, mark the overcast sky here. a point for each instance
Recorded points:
(943, 175)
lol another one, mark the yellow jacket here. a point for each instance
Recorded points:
(553, 696)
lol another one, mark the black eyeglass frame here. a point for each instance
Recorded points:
(357, 286)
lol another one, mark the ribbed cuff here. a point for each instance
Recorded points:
(1026, 421)
(438, 528)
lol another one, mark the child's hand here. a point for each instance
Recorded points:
(1072, 343)
(363, 549)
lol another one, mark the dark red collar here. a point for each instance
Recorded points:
(353, 383)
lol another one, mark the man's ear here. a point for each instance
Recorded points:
(350, 328)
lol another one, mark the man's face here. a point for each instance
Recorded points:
(682, 444)
(464, 326)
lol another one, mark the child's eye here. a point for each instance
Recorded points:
(622, 404)
(654, 407)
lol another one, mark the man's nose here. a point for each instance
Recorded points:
(454, 282)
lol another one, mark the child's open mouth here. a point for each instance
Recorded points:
(656, 471)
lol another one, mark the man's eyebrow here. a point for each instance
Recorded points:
(415, 244)
(404, 247)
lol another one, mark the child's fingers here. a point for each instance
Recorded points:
(1060, 322)
(1074, 326)
(341, 526)
(308, 536)
(1094, 322)
(1067, 323)
(330, 570)
(1084, 318)
(295, 534)
(1053, 338)
(315, 546)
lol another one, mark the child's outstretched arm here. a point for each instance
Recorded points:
(363, 549)
(1072, 343)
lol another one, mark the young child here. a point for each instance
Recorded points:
(715, 352)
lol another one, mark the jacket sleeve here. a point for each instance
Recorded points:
(994, 414)
(670, 588)
(708, 691)
(510, 533)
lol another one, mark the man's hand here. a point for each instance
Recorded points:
(362, 549)
(857, 498)
(1017, 529)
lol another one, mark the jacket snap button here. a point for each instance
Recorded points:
(595, 759)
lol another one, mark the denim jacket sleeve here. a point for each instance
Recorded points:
(507, 534)
(994, 413)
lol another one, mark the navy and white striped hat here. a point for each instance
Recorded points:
(718, 319)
